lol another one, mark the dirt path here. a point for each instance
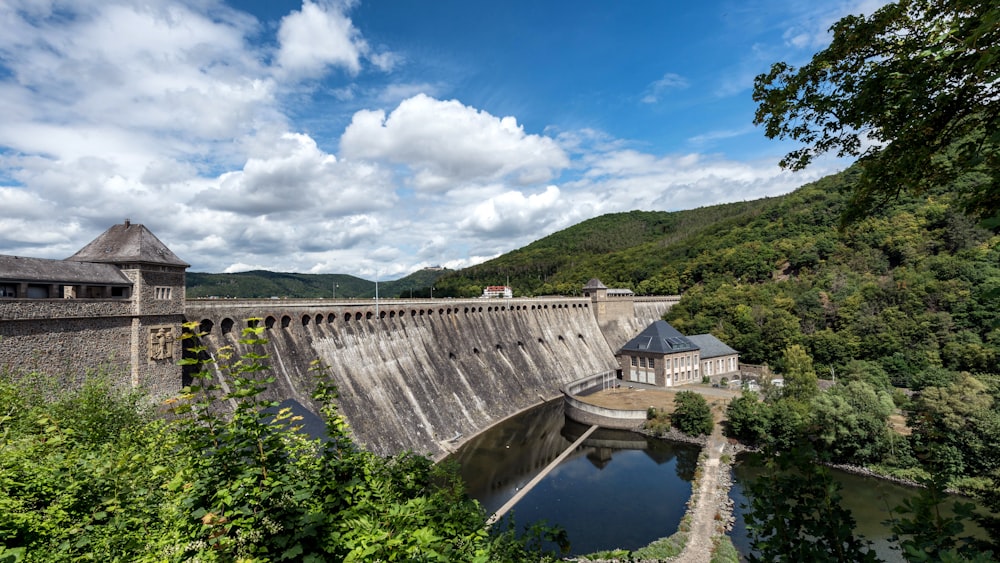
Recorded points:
(713, 488)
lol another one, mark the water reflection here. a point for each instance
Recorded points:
(618, 489)
(870, 500)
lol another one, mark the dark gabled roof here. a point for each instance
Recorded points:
(659, 338)
(711, 347)
(128, 243)
(595, 283)
(20, 269)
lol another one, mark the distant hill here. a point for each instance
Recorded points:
(263, 284)
(913, 288)
(622, 249)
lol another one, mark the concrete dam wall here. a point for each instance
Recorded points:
(421, 376)
(620, 326)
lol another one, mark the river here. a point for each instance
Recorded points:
(617, 490)
(622, 489)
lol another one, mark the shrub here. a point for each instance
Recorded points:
(91, 477)
(725, 551)
(663, 548)
(692, 415)
(747, 418)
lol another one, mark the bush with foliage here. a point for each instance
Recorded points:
(92, 476)
(747, 418)
(691, 414)
(795, 514)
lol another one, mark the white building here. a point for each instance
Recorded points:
(498, 291)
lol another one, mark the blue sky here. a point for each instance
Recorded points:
(381, 137)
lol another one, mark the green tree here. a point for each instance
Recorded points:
(786, 420)
(869, 372)
(851, 421)
(81, 473)
(691, 415)
(746, 418)
(228, 477)
(795, 514)
(801, 383)
(917, 77)
(957, 428)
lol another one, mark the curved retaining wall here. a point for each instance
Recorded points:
(603, 417)
(592, 414)
(420, 375)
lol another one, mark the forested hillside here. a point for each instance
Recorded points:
(914, 287)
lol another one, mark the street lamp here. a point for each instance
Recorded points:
(432, 292)
(335, 286)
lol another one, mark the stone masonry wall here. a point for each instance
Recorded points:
(41, 309)
(145, 284)
(67, 347)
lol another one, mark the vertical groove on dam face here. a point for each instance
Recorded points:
(424, 382)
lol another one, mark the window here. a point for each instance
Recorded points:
(652, 362)
(635, 361)
(162, 292)
(642, 362)
(8, 291)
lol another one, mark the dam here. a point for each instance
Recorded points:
(424, 375)
(413, 375)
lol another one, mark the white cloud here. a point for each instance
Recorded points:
(712, 136)
(320, 35)
(655, 91)
(512, 213)
(186, 116)
(622, 180)
(812, 30)
(131, 83)
(294, 175)
(446, 143)
(395, 93)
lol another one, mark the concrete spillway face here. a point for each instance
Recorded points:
(425, 381)
(622, 329)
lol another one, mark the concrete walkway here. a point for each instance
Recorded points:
(713, 489)
(538, 478)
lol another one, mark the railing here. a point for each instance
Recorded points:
(603, 380)
(592, 414)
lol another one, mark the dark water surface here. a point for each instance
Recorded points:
(617, 490)
(871, 502)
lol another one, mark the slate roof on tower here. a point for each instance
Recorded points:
(595, 283)
(128, 243)
(659, 338)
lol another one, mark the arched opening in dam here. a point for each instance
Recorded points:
(618, 489)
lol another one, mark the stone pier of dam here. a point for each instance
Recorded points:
(425, 376)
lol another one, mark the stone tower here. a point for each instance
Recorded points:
(157, 297)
